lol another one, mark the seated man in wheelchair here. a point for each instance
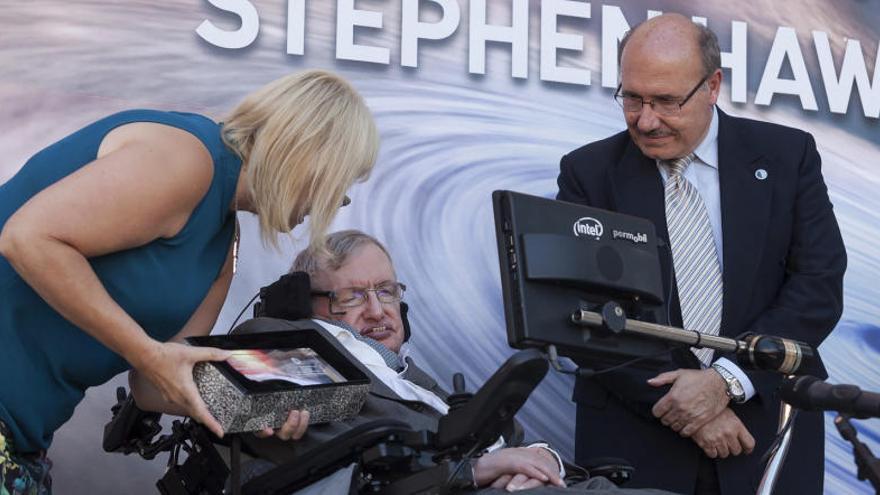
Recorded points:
(357, 298)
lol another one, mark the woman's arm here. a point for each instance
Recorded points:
(147, 396)
(145, 183)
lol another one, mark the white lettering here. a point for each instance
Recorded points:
(296, 27)
(552, 40)
(588, 226)
(240, 38)
(844, 69)
(590, 230)
(347, 17)
(852, 71)
(614, 28)
(785, 46)
(736, 61)
(517, 34)
(411, 29)
(637, 238)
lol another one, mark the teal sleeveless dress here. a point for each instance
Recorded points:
(46, 363)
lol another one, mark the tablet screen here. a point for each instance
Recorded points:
(302, 366)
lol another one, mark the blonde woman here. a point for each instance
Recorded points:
(117, 242)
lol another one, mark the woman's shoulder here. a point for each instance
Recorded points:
(185, 142)
(203, 128)
(154, 115)
(197, 124)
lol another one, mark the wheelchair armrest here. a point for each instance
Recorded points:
(479, 422)
(131, 429)
(321, 461)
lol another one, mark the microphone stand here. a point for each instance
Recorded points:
(868, 465)
(777, 458)
(756, 352)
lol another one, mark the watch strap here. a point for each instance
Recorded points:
(732, 382)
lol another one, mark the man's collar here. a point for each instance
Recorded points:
(707, 151)
(391, 358)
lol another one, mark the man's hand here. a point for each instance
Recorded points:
(725, 435)
(517, 468)
(696, 397)
(292, 429)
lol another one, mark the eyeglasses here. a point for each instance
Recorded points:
(352, 297)
(662, 105)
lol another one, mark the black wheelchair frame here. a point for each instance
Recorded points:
(390, 457)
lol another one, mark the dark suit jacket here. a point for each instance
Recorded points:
(783, 270)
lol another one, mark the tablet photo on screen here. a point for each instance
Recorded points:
(302, 366)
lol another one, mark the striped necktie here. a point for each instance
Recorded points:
(697, 271)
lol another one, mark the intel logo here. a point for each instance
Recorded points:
(588, 226)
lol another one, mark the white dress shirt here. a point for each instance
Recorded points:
(404, 388)
(703, 174)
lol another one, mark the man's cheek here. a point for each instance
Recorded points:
(352, 318)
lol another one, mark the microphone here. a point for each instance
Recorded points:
(769, 353)
(812, 394)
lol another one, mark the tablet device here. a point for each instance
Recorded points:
(271, 373)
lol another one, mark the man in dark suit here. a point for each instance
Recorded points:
(750, 243)
(357, 300)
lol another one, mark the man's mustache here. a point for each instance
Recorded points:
(657, 133)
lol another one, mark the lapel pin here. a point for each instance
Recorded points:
(760, 174)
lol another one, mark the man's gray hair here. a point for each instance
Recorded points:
(338, 247)
(707, 41)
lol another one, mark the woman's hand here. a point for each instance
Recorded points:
(293, 429)
(169, 367)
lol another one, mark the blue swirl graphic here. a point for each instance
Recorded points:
(449, 139)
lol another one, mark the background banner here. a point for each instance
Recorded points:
(470, 96)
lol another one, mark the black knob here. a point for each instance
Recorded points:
(458, 383)
(459, 396)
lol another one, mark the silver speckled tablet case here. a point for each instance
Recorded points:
(241, 411)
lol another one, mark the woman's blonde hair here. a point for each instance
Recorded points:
(304, 139)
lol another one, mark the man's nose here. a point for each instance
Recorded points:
(373, 306)
(648, 120)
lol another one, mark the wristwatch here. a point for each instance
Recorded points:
(735, 390)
